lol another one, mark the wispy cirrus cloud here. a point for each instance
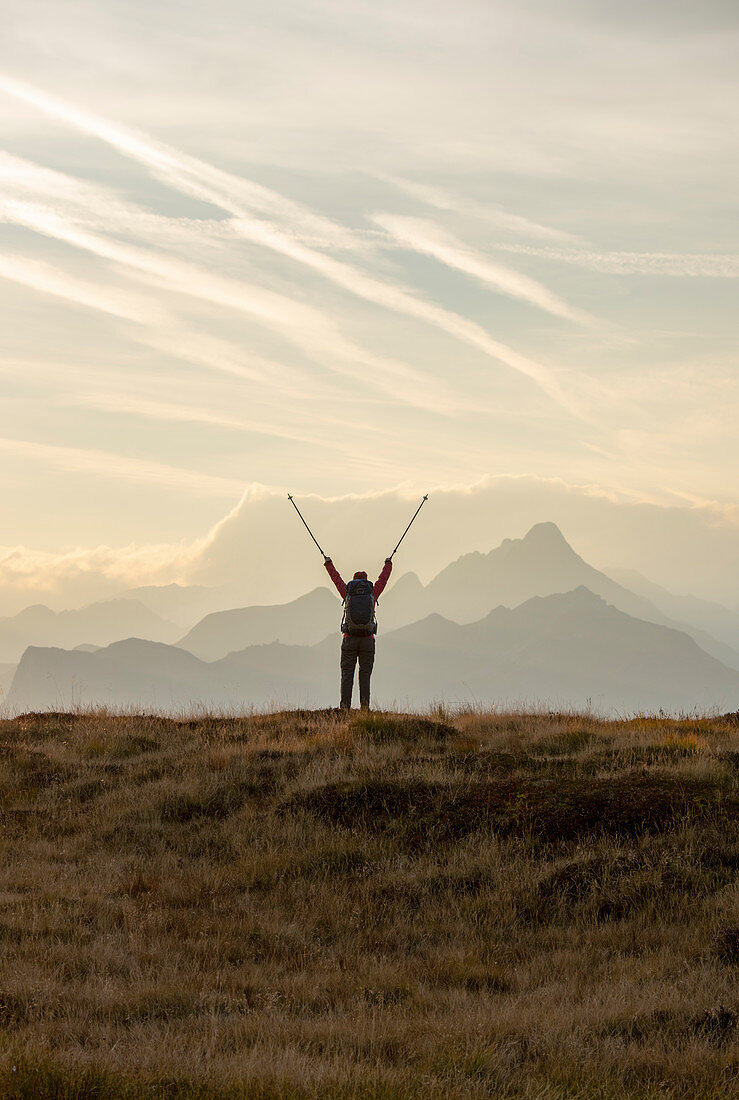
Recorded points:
(96, 463)
(49, 279)
(428, 239)
(490, 213)
(508, 126)
(715, 265)
(241, 198)
(401, 301)
(162, 410)
(187, 174)
(320, 425)
(225, 357)
(100, 207)
(304, 326)
(161, 330)
(70, 209)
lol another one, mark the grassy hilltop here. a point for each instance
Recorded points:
(386, 906)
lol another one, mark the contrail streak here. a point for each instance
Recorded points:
(201, 180)
(671, 264)
(426, 238)
(303, 325)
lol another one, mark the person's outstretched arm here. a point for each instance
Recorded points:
(383, 578)
(335, 577)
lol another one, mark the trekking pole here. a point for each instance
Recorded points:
(418, 509)
(304, 523)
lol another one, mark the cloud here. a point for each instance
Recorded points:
(100, 207)
(662, 536)
(95, 463)
(491, 213)
(370, 315)
(671, 264)
(48, 279)
(240, 198)
(214, 353)
(78, 576)
(429, 240)
(304, 326)
(261, 550)
(165, 410)
(400, 301)
(326, 440)
(71, 207)
(188, 174)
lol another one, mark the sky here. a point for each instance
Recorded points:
(359, 251)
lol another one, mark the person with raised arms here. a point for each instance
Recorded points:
(359, 627)
(359, 622)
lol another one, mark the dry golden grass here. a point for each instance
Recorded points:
(315, 904)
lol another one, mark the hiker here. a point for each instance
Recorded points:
(359, 627)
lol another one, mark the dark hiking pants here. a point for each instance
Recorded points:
(363, 650)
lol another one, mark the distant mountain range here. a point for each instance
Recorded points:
(540, 564)
(302, 622)
(97, 624)
(564, 650)
(531, 620)
(7, 672)
(705, 615)
(181, 604)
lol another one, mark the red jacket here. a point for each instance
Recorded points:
(379, 585)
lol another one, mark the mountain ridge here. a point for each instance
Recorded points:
(305, 620)
(458, 620)
(98, 623)
(572, 647)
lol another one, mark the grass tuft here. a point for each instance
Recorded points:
(382, 727)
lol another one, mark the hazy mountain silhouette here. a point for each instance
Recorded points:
(7, 672)
(304, 621)
(301, 622)
(182, 604)
(404, 601)
(540, 564)
(566, 649)
(560, 650)
(152, 676)
(97, 624)
(716, 619)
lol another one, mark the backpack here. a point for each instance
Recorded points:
(359, 609)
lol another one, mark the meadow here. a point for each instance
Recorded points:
(382, 906)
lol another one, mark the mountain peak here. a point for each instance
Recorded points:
(546, 535)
